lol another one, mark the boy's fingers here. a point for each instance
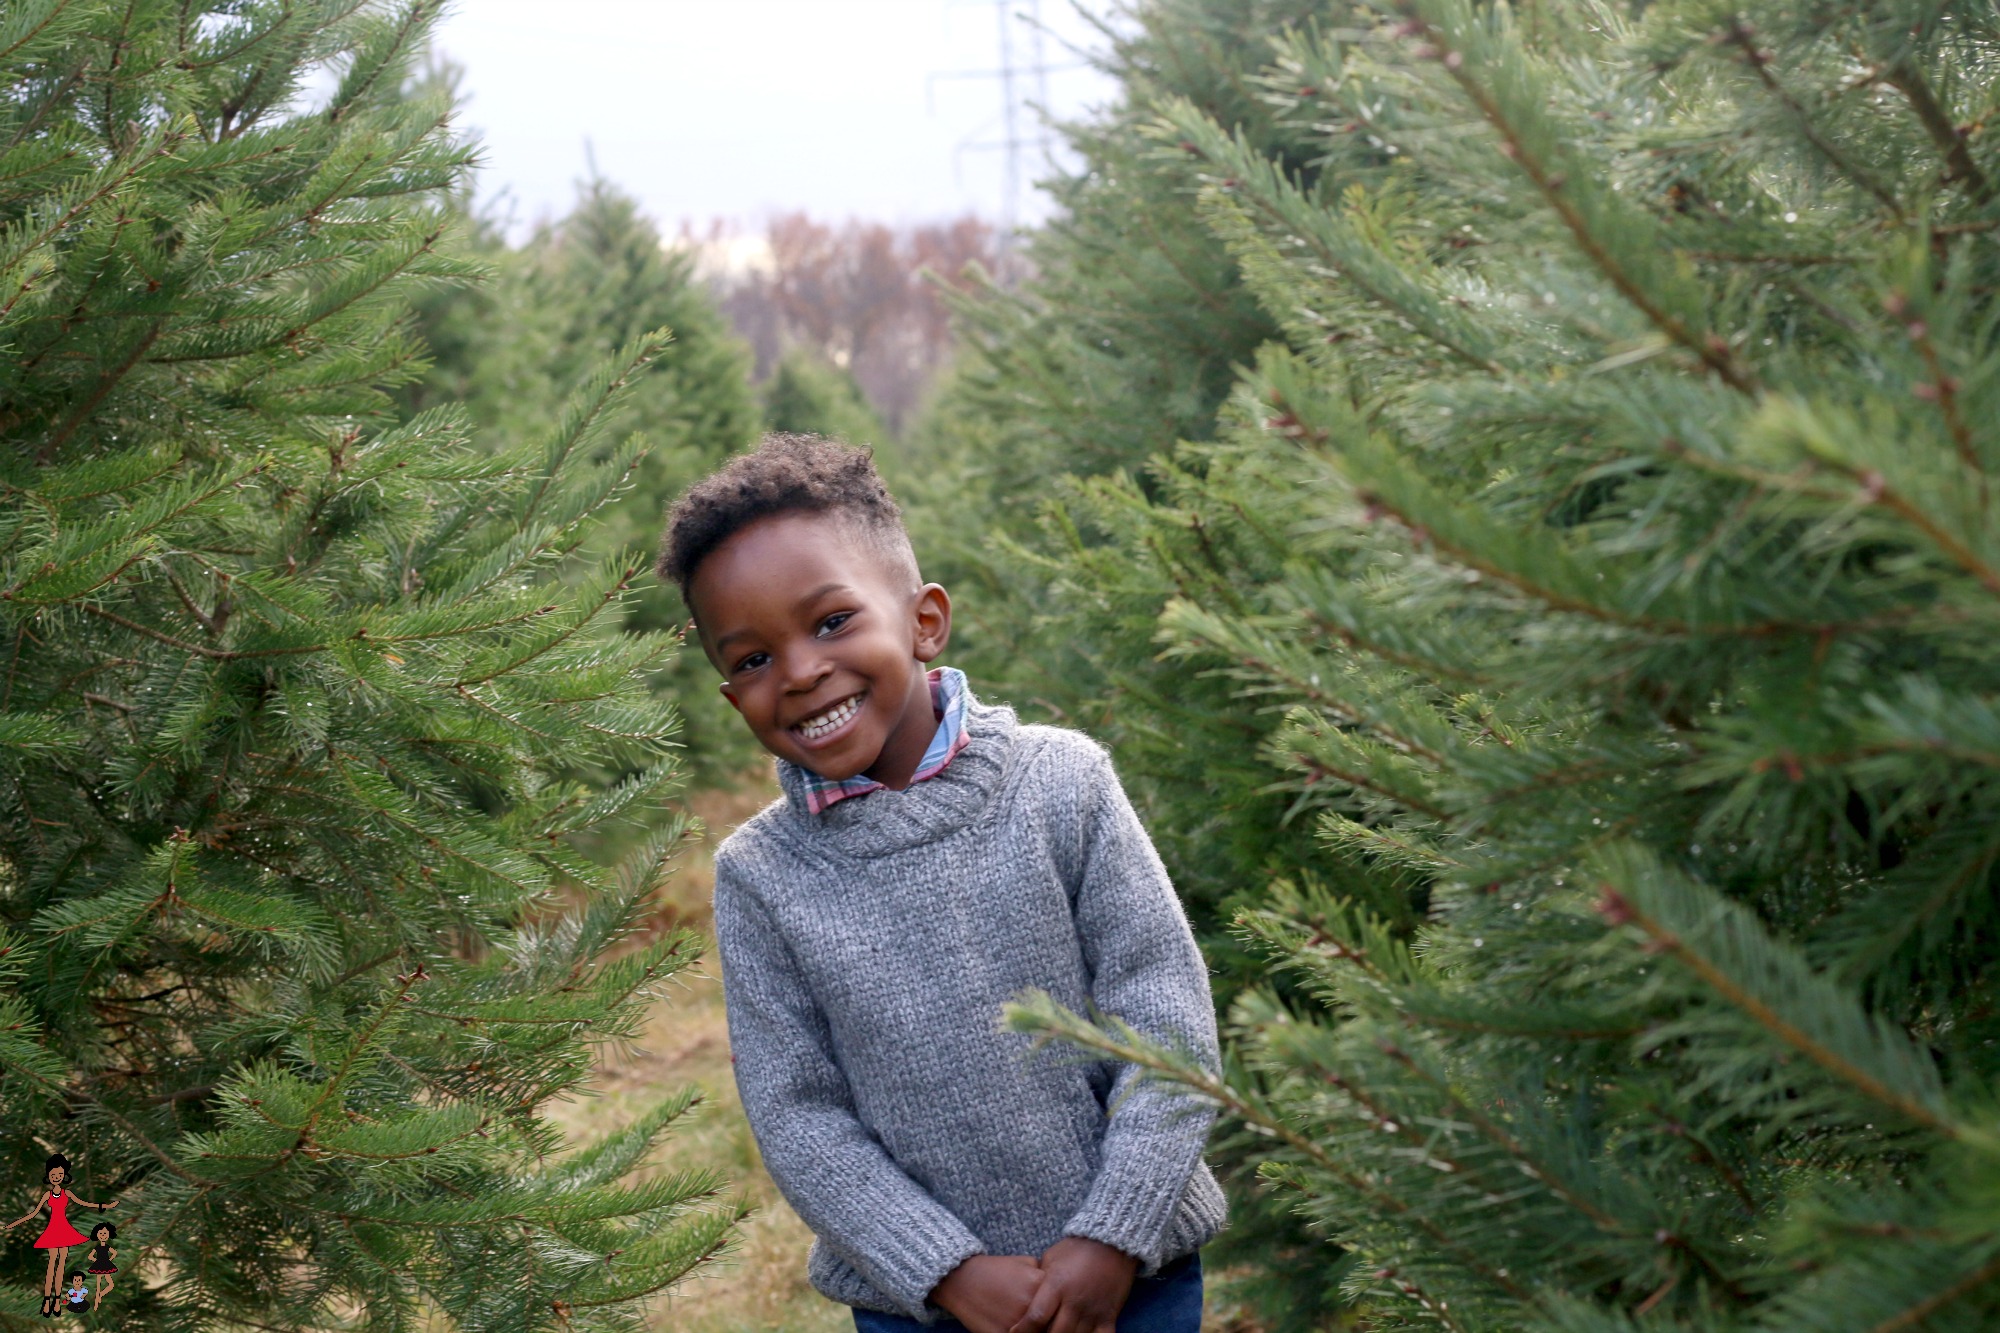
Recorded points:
(1046, 1305)
(1035, 1319)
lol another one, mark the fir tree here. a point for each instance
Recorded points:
(297, 948)
(809, 395)
(515, 348)
(1629, 455)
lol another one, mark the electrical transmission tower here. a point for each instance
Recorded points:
(1023, 76)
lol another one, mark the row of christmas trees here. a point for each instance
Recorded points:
(341, 713)
(1513, 482)
(322, 678)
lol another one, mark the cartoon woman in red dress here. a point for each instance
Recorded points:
(59, 1234)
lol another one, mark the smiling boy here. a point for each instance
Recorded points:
(932, 857)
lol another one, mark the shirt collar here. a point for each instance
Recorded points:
(948, 696)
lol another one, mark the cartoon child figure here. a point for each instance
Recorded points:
(101, 1255)
(78, 1293)
(59, 1235)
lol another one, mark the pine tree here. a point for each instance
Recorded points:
(515, 348)
(809, 395)
(1628, 450)
(297, 949)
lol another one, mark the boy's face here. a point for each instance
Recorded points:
(821, 641)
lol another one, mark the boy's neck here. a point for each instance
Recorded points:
(908, 739)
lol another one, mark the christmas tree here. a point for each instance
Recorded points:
(515, 348)
(809, 395)
(297, 948)
(1626, 460)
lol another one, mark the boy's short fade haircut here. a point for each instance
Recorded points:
(786, 473)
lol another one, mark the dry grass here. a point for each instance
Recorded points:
(761, 1287)
(762, 1284)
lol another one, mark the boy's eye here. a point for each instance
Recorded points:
(752, 662)
(835, 621)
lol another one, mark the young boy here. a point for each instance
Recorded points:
(931, 858)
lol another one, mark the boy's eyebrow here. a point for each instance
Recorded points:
(805, 601)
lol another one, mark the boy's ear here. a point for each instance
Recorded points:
(729, 693)
(932, 614)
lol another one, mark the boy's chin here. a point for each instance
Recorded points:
(834, 772)
(837, 765)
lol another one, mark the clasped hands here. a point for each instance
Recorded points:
(1078, 1286)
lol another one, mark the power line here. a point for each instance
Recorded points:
(1015, 77)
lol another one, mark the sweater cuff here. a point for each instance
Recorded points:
(1130, 1210)
(925, 1254)
(841, 1281)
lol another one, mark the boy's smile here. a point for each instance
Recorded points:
(821, 639)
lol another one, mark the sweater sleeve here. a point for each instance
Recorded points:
(836, 1176)
(1145, 968)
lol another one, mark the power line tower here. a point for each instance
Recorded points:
(1023, 77)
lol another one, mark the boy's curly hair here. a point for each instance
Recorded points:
(785, 473)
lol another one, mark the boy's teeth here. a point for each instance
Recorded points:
(814, 727)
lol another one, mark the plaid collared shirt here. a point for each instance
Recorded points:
(948, 695)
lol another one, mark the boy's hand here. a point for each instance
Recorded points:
(1084, 1286)
(988, 1292)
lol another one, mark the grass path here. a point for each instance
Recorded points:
(761, 1287)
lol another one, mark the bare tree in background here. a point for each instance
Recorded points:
(855, 293)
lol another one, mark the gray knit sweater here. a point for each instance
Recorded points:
(866, 952)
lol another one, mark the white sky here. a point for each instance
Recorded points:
(742, 108)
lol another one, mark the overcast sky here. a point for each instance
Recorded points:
(742, 108)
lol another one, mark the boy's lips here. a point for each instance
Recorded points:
(829, 723)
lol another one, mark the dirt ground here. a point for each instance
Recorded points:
(761, 1287)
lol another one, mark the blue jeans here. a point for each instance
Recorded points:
(1167, 1302)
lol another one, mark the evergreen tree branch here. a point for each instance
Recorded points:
(41, 24)
(586, 414)
(1339, 244)
(106, 382)
(1042, 1018)
(1945, 389)
(1558, 189)
(386, 59)
(1497, 1134)
(1915, 1316)
(1473, 557)
(611, 595)
(1318, 769)
(110, 185)
(1743, 39)
(1875, 488)
(1907, 79)
(197, 649)
(1728, 953)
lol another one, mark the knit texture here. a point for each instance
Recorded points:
(866, 952)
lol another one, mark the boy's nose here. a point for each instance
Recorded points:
(803, 671)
